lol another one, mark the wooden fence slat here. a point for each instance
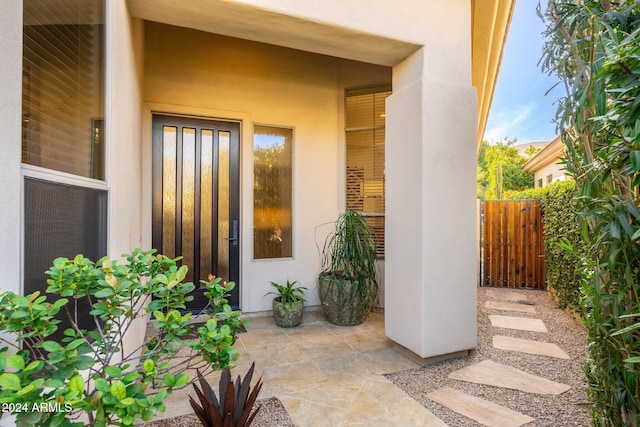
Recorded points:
(513, 244)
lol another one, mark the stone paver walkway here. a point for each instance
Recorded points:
(499, 375)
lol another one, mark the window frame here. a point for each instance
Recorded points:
(97, 142)
(358, 91)
(292, 130)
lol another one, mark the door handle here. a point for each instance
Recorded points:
(234, 233)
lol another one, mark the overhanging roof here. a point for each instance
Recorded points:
(490, 26)
(548, 155)
(247, 21)
(490, 21)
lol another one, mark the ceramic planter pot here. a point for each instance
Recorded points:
(340, 302)
(287, 315)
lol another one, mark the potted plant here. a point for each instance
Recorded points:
(288, 304)
(347, 283)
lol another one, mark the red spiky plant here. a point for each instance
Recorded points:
(233, 407)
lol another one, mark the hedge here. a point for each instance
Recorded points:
(561, 225)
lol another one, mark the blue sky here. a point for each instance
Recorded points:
(520, 108)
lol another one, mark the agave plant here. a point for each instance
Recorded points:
(233, 407)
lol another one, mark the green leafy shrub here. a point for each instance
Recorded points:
(562, 227)
(90, 371)
(594, 48)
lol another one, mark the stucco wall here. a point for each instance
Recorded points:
(10, 137)
(124, 52)
(415, 21)
(431, 265)
(555, 169)
(197, 73)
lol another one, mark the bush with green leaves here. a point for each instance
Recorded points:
(593, 46)
(90, 377)
(562, 227)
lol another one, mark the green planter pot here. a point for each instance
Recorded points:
(340, 302)
(288, 315)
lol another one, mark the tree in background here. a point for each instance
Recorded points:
(500, 170)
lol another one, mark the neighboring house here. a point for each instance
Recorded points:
(233, 132)
(523, 148)
(546, 164)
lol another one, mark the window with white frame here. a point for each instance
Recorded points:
(63, 86)
(365, 117)
(64, 188)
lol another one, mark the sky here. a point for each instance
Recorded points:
(520, 108)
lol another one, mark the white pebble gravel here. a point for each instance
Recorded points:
(567, 409)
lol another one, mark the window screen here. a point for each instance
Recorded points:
(62, 86)
(61, 221)
(365, 154)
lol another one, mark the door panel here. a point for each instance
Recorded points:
(196, 206)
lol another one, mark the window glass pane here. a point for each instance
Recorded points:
(365, 156)
(62, 86)
(272, 192)
(224, 194)
(169, 179)
(188, 202)
(206, 201)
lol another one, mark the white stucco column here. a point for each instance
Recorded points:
(431, 246)
(124, 128)
(124, 56)
(10, 150)
(10, 142)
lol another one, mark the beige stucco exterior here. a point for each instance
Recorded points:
(547, 164)
(287, 63)
(254, 83)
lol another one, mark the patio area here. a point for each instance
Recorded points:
(526, 370)
(324, 375)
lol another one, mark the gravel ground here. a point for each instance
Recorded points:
(271, 414)
(568, 409)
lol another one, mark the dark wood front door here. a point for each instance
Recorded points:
(196, 198)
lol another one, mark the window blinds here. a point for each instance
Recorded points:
(63, 101)
(365, 156)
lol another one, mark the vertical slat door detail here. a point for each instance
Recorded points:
(513, 244)
(196, 198)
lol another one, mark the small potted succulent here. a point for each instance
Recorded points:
(288, 303)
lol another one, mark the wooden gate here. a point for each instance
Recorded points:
(513, 244)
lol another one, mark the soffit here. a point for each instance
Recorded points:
(548, 155)
(249, 22)
(490, 26)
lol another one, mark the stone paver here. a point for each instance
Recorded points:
(495, 374)
(520, 323)
(488, 413)
(540, 348)
(510, 306)
(505, 294)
